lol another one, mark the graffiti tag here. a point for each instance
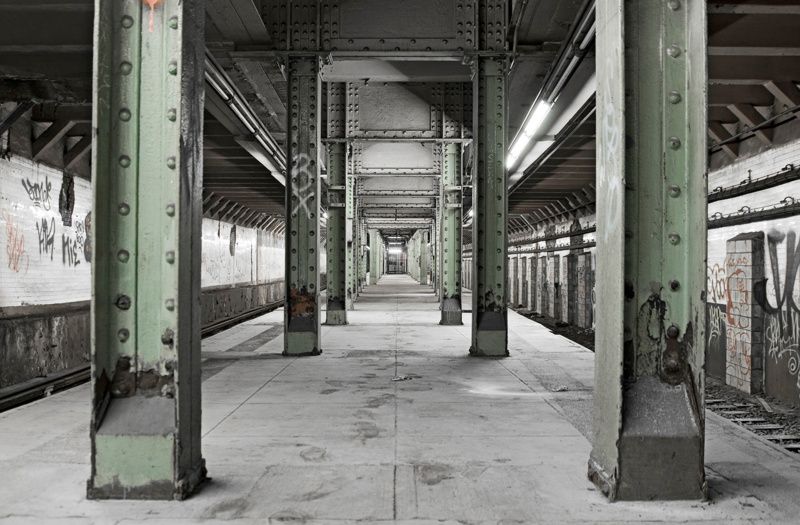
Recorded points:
(46, 231)
(38, 192)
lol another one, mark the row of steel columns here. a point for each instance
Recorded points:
(147, 170)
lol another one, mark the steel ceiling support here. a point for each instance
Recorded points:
(362, 253)
(352, 235)
(489, 188)
(147, 175)
(302, 310)
(651, 209)
(374, 257)
(424, 255)
(450, 217)
(336, 312)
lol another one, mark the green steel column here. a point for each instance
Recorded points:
(362, 254)
(424, 253)
(301, 314)
(350, 208)
(373, 257)
(336, 312)
(489, 227)
(651, 207)
(450, 213)
(147, 175)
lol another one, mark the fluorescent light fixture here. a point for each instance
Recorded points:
(529, 130)
(471, 212)
(395, 251)
(324, 214)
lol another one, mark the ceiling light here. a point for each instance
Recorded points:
(529, 130)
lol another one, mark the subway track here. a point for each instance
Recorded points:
(756, 419)
(16, 395)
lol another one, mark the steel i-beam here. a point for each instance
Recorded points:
(147, 177)
(362, 253)
(336, 312)
(489, 226)
(423, 257)
(350, 218)
(450, 217)
(651, 208)
(301, 314)
(374, 256)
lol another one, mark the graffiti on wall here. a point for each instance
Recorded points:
(46, 231)
(18, 260)
(39, 192)
(717, 331)
(738, 304)
(301, 195)
(781, 312)
(715, 283)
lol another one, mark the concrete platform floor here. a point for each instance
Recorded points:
(333, 439)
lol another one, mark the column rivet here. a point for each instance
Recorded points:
(170, 257)
(123, 256)
(123, 334)
(171, 210)
(674, 238)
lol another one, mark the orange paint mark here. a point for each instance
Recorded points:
(152, 5)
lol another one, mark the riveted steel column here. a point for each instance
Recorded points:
(489, 227)
(302, 203)
(350, 218)
(336, 312)
(147, 177)
(651, 207)
(424, 254)
(373, 257)
(450, 214)
(362, 253)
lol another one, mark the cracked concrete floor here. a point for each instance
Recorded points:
(332, 439)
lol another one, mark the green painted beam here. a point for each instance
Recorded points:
(374, 256)
(651, 247)
(147, 175)
(450, 213)
(424, 254)
(302, 312)
(336, 311)
(362, 254)
(351, 240)
(490, 202)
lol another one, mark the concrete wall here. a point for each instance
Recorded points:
(554, 278)
(752, 287)
(45, 270)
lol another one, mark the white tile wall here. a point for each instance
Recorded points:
(42, 261)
